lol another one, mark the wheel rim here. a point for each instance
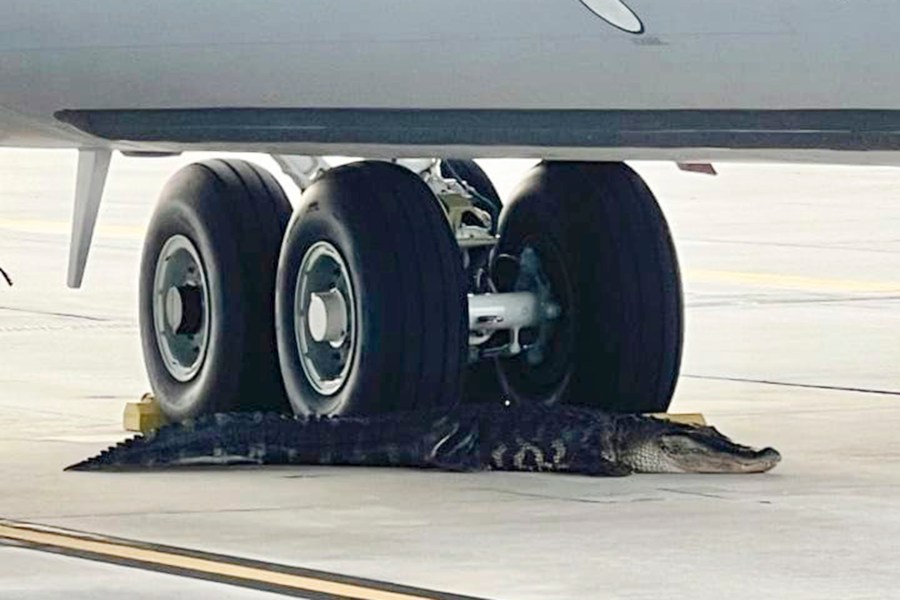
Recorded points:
(181, 313)
(545, 379)
(325, 318)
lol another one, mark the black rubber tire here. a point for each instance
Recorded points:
(608, 252)
(235, 214)
(407, 276)
(468, 171)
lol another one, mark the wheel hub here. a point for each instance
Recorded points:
(181, 308)
(324, 318)
(327, 317)
(184, 309)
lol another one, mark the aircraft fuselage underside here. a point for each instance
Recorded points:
(807, 80)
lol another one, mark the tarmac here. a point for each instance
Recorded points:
(792, 281)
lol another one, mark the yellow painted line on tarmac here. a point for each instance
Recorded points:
(282, 579)
(792, 282)
(44, 227)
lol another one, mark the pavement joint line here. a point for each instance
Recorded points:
(51, 313)
(54, 227)
(91, 326)
(800, 282)
(848, 246)
(742, 300)
(220, 568)
(812, 386)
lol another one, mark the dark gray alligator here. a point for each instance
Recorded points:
(466, 438)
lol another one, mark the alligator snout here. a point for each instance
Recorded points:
(658, 447)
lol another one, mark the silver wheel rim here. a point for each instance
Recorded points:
(181, 308)
(325, 318)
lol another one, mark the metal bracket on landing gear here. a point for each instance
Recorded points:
(303, 170)
(531, 305)
(471, 225)
(512, 312)
(93, 165)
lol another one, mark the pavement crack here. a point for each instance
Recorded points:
(568, 498)
(50, 313)
(147, 513)
(840, 246)
(104, 326)
(694, 493)
(811, 386)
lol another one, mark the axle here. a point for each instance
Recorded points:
(513, 311)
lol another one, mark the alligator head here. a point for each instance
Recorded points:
(648, 445)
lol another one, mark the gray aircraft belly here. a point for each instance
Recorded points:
(543, 55)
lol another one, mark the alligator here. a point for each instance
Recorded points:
(472, 437)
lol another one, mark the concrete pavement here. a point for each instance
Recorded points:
(792, 279)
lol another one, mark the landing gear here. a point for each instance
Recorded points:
(207, 290)
(370, 299)
(595, 232)
(389, 291)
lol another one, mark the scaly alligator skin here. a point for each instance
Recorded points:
(466, 438)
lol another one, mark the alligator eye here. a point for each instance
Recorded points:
(678, 444)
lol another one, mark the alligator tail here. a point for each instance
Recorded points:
(273, 439)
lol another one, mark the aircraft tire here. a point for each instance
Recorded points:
(225, 220)
(370, 301)
(606, 249)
